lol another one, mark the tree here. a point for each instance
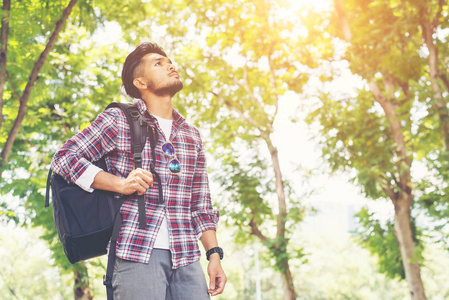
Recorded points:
(379, 133)
(238, 58)
(23, 100)
(14, 124)
(50, 64)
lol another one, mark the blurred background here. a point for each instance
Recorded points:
(326, 125)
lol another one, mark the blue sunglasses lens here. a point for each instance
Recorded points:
(168, 149)
(174, 166)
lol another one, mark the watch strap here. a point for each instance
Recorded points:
(214, 250)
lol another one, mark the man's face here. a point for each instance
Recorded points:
(159, 74)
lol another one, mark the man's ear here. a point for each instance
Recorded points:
(139, 83)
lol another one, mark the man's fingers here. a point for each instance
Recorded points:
(217, 284)
(217, 288)
(145, 172)
(212, 284)
(144, 175)
(221, 284)
(143, 183)
(138, 181)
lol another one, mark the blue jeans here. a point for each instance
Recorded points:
(157, 280)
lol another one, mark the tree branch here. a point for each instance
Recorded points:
(387, 187)
(374, 88)
(245, 86)
(390, 193)
(234, 108)
(12, 86)
(443, 78)
(347, 34)
(428, 28)
(255, 231)
(273, 83)
(438, 14)
(32, 79)
(396, 130)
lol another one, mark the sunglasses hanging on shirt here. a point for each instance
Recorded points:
(173, 165)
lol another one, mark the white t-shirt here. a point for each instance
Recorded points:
(163, 239)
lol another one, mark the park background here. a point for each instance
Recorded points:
(326, 124)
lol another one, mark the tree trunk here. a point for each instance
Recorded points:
(404, 235)
(287, 281)
(402, 201)
(282, 215)
(281, 247)
(32, 79)
(3, 52)
(81, 289)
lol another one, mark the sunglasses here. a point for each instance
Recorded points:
(173, 165)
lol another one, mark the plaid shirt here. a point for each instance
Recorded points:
(187, 198)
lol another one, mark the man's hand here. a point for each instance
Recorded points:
(138, 181)
(216, 274)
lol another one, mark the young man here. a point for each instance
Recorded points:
(162, 260)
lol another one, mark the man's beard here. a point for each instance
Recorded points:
(169, 90)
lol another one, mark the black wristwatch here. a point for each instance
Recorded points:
(214, 250)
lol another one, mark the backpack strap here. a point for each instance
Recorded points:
(47, 189)
(107, 279)
(153, 142)
(138, 130)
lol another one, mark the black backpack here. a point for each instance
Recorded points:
(85, 221)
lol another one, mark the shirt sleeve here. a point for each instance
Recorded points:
(203, 215)
(87, 178)
(88, 146)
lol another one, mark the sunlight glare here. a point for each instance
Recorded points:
(318, 5)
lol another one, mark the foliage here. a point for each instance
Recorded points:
(238, 59)
(78, 79)
(360, 138)
(356, 136)
(25, 267)
(398, 121)
(381, 239)
(250, 198)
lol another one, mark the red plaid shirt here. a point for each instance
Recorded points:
(187, 198)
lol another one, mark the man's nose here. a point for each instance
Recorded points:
(171, 67)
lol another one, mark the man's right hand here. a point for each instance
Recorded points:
(138, 181)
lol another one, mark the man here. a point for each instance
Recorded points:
(162, 260)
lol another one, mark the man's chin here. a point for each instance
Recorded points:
(170, 90)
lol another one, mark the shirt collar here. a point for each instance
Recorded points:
(177, 118)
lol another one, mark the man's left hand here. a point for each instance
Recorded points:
(217, 275)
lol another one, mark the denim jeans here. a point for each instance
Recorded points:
(157, 280)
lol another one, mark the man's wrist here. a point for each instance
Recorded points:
(214, 257)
